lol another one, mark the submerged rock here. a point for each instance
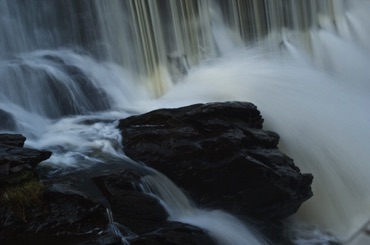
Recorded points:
(90, 97)
(220, 155)
(7, 121)
(174, 233)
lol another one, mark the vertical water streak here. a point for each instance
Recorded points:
(150, 37)
(33, 25)
(226, 229)
(140, 35)
(112, 226)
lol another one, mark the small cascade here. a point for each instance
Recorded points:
(114, 228)
(68, 90)
(68, 69)
(55, 84)
(223, 227)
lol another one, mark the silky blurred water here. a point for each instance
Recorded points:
(70, 70)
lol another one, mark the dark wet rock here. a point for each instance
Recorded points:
(12, 139)
(7, 121)
(174, 233)
(137, 211)
(58, 214)
(30, 212)
(220, 155)
(14, 157)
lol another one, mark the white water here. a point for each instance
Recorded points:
(224, 228)
(323, 126)
(311, 84)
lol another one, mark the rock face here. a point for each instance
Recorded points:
(220, 155)
(143, 215)
(12, 139)
(32, 212)
(14, 157)
(131, 208)
(58, 214)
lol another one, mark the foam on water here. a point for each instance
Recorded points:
(322, 120)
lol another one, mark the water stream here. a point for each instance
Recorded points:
(70, 69)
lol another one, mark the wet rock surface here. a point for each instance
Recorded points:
(14, 157)
(35, 212)
(7, 121)
(57, 214)
(130, 207)
(12, 140)
(141, 214)
(174, 233)
(220, 155)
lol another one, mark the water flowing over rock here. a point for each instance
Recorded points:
(66, 216)
(174, 233)
(70, 90)
(7, 121)
(220, 155)
(143, 214)
(130, 207)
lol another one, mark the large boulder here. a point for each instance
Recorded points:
(220, 155)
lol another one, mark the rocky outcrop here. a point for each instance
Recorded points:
(12, 140)
(38, 213)
(131, 208)
(14, 157)
(57, 214)
(220, 155)
(142, 214)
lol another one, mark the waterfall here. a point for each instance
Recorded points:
(303, 63)
(226, 229)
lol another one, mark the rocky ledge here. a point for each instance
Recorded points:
(218, 153)
(15, 158)
(220, 156)
(37, 212)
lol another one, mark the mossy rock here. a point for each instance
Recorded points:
(20, 192)
(16, 178)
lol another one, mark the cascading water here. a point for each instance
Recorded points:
(303, 63)
(224, 228)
